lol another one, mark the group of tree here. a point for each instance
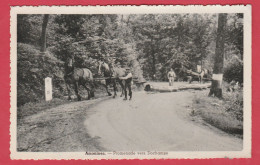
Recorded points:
(150, 44)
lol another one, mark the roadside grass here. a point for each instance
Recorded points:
(225, 114)
(32, 108)
(36, 107)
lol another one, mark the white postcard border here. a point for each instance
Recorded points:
(246, 9)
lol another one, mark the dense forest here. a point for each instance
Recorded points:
(150, 44)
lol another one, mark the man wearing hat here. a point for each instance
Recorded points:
(127, 83)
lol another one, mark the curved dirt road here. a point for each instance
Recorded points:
(154, 122)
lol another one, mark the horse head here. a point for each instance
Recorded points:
(103, 67)
(69, 64)
(100, 67)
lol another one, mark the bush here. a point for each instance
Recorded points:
(233, 70)
(234, 103)
(225, 114)
(32, 69)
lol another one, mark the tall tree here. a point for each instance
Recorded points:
(216, 86)
(43, 35)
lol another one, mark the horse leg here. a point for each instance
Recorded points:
(115, 89)
(69, 92)
(106, 86)
(189, 79)
(200, 78)
(89, 95)
(92, 90)
(130, 91)
(125, 92)
(109, 94)
(76, 86)
(122, 88)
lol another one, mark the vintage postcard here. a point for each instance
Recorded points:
(130, 82)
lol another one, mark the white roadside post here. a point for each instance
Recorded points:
(48, 89)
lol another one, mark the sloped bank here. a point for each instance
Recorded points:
(225, 114)
(58, 129)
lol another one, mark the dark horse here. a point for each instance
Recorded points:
(77, 77)
(111, 76)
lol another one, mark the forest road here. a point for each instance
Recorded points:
(154, 122)
(150, 121)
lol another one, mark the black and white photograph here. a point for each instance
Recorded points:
(130, 82)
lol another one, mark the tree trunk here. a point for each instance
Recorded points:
(43, 35)
(153, 60)
(216, 86)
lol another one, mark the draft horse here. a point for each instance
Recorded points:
(187, 74)
(196, 76)
(111, 77)
(76, 77)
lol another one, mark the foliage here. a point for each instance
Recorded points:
(150, 44)
(233, 70)
(28, 28)
(234, 34)
(234, 103)
(173, 41)
(225, 114)
(32, 68)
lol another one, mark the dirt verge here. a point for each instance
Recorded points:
(58, 129)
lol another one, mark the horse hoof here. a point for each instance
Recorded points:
(130, 99)
(114, 96)
(109, 94)
(125, 99)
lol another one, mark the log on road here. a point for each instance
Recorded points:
(161, 88)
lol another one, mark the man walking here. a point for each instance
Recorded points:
(127, 83)
(171, 75)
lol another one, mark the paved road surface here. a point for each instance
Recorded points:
(154, 122)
